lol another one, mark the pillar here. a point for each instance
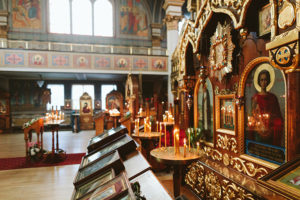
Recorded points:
(173, 15)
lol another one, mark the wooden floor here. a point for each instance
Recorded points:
(48, 183)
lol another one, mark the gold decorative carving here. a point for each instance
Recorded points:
(236, 9)
(226, 143)
(247, 168)
(195, 178)
(285, 57)
(287, 14)
(239, 164)
(232, 191)
(221, 52)
(213, 186)
(213, 153)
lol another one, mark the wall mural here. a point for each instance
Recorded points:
(39, 59)
(26, 14)
(265, 113)
(133, 18)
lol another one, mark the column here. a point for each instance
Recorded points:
(173, 15)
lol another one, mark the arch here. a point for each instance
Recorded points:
(274, 136)
(209, 128)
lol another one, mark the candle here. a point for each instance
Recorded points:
(184, 147)
(166, 136)
(160, 136)
(157, 126)
(197, 147)
(189, 139)
(174, 136)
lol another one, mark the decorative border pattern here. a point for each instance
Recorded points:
(69, 61)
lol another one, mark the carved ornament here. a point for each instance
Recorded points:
(234, 90)
(172, 21)
(213, 186)
(237, 163)
(236, 9)
(221, 51)
(247, 168)
(226, 143)
(232, 191)
(285, 57)
(287, 14)
(195, 178)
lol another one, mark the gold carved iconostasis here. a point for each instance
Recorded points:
(241, 66)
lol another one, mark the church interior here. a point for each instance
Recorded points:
(149, 99)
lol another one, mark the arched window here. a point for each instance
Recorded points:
(59, 16)
(103, 18)
(82, 17)
(87, 18)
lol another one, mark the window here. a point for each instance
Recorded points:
(105, 89)
(59, 16)
(87, 18)
(57, 96)
(82, 17)
(103, 18)
(77, 91)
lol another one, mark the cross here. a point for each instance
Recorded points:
(14, 59)
(60, 60)
(102, 62)
(140, 63)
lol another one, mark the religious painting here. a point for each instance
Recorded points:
(205, 117)
(68, 104)
(91, 186)
(97, 104)
(265, 113)
(26, 14)
(140, 63)
(114, 189)
(159, 64)
(86, 104)
(284, 180)
(265, 20)
(103, 62)
(97, 167)
(221, 52)
(122, 63)
(3, 106)
(38, 59)
(82, 61)
(133, 19)
(92, 157)
(225, 114)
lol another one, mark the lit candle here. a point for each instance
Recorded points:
(197, 147)
(174, 136)
(157, 126)
(177, 141)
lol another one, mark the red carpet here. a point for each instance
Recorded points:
(20, 162)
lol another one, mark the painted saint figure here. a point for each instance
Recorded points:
(266, 119)
(86, 108)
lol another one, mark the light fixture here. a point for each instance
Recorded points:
(40, 82)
